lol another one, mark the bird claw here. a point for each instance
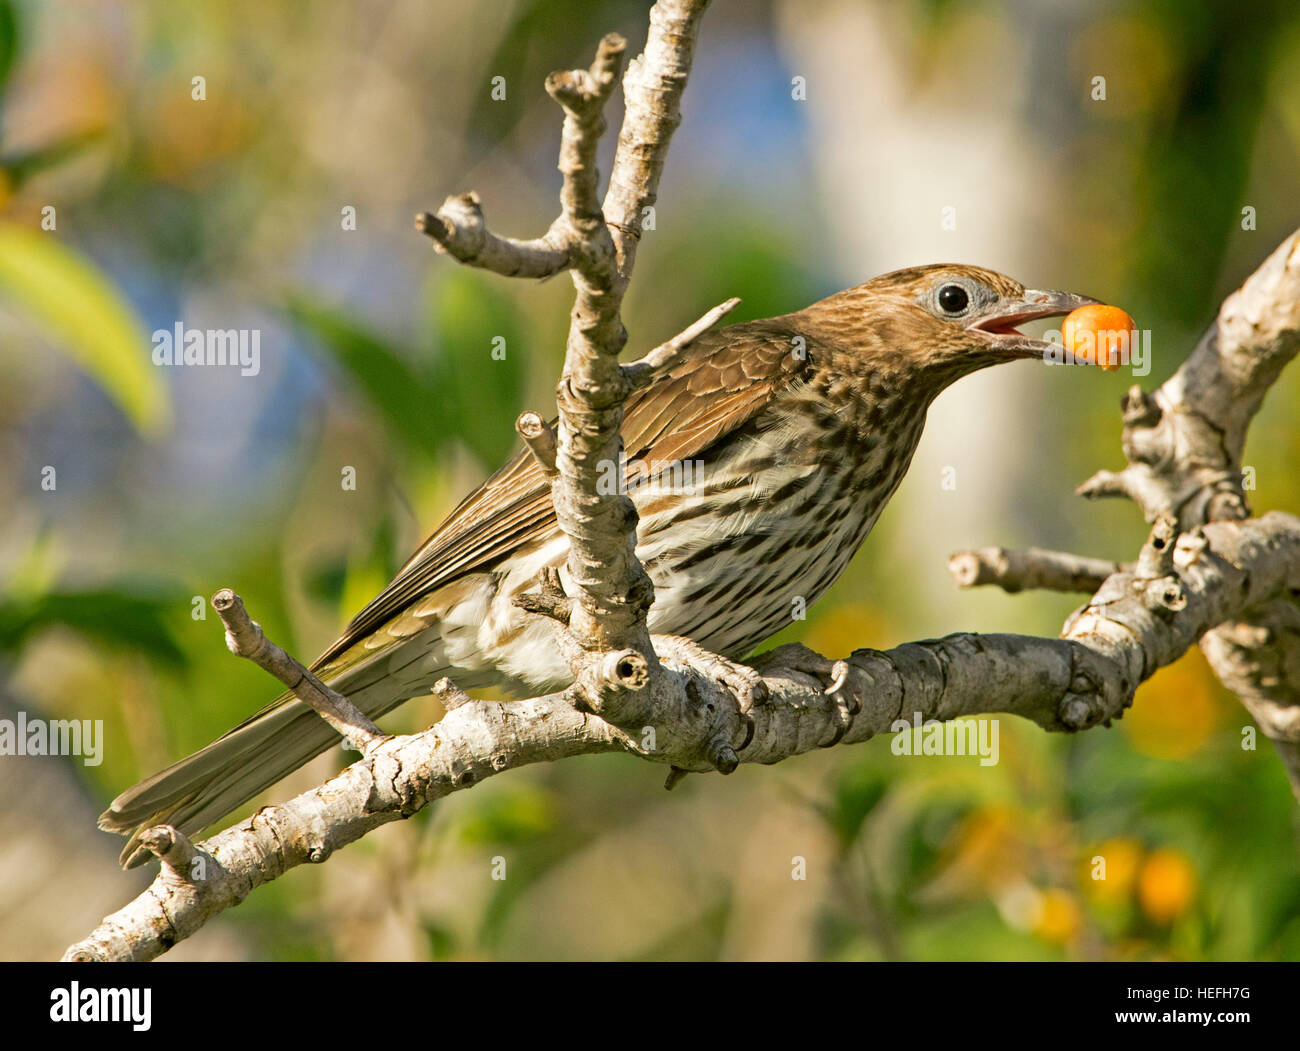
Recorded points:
(797, 657)
(742, 680)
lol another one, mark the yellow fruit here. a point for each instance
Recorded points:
(1177, 711)
(1059, 916)
(1112, 880)
(1099, 334)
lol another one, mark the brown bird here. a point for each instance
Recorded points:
(758, 463)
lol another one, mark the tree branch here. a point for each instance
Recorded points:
(244, 638)
(1029, 568)
(641, 372)
(653, 91)
(613, 591)
(1258, 659)
(459, 230)
(401, 775)
(1184, 446)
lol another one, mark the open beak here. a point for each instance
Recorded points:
(999, 324)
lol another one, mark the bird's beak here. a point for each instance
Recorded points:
(999, 324)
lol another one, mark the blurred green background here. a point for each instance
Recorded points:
(376, 354)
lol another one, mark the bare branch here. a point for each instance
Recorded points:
(451, 695)
(458, 230)
(583, 94)
(551, 601)
(1105, 484)
(1184, 444)
(173, 848)
(1258, 659)
(1029, 568)
(474, 741)
(244, 638)
(540, 439)
(653, 88)
(613, 591)
(1256, 334)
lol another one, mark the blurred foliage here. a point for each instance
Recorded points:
(64, 294)
(1165, 837)
(393, 388)
(462, 383)
(87, 317)
(8, 40)
(1110, 857)
(117, 616)
(1198, 159)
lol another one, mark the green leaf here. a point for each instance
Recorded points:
(510, 817)
(132, 620)
(478, 374)
(367, 572)
(464, 390)
(8, 41)
(20, 167)
(380, 372)
(859, 789)
(71, 301)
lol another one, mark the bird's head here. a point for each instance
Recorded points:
(949, 320)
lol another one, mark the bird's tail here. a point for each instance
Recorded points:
(193, 793)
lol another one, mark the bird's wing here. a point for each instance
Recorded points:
(726, 378)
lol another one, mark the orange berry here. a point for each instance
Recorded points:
(1099, 334)
(1167, 885)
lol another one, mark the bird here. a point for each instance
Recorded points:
(758, 462)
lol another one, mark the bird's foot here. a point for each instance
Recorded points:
(795, 656)
(740, 679)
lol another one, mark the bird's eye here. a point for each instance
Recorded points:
(953, 299)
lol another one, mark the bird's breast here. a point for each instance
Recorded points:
(763, 528)
(740, 541)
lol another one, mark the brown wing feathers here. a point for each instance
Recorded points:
(726, 379)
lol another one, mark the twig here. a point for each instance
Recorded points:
(540, 439)
(459, 230)
(403, 774)
(1029, 568)
(652, 90)
(582, 93)
(244, 638)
